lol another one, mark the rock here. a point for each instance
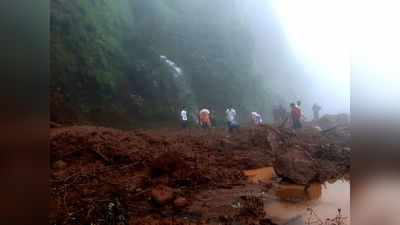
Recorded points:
(59, 164)
(328, 170)
(333, 153)
(296, 166)
(180, 202)
(162, 194)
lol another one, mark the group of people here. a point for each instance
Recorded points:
(206, 119)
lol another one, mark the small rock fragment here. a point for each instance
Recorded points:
(162, 194)
(59, 164)
(180, 202)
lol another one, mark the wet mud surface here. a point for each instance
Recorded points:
(107, 176)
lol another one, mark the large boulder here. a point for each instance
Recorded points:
(297, 166)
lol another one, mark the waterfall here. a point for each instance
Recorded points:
(177, 71)
(186, 94)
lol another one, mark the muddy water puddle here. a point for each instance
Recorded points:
(283, 203)
(288, 203)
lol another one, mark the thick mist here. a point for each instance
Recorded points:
(302, 51)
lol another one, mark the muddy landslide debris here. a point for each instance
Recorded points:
(93, 166)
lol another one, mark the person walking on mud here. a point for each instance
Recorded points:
(204, 118)
(231, 119)
(298, 105)
(184, 118)
(256, 118)
(296, 116)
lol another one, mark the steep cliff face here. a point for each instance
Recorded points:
(87, 57)
(133, 61)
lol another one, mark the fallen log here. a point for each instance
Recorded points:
(329, 130)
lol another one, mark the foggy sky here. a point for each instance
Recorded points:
(304, 47)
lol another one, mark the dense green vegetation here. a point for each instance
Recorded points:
(106, 65)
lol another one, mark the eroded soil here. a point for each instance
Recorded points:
(107, 176)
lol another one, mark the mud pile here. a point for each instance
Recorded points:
(107, 176)
(310, 156)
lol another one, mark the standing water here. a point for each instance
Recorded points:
(288, 203)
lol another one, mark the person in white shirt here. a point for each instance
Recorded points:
(256, 118)
(253, 116)
(231, 119)
(259, 119)
(184, 118)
